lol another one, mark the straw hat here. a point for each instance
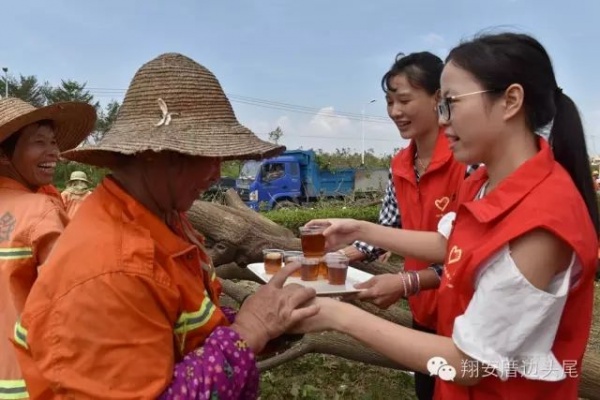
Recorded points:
(176, 104)
(72, 121)
(78, 176)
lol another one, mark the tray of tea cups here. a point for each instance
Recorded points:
(321, 284)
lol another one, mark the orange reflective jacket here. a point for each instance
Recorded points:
(72, 201)
(30, 223)
(121, 300)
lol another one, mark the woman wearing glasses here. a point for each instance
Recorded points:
(515, 302)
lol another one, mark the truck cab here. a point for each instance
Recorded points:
(294, 177)
(272, 181)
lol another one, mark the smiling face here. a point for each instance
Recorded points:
(476, 120)
(34, 156)
(412, 109)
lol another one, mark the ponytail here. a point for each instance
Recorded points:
(568, 144)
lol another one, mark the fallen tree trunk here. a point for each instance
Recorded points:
(235, 238)
(232, 199)
(331, 343)
(233, 271)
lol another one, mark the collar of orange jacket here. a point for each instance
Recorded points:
(135, 211)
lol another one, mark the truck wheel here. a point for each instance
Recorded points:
(285, 204)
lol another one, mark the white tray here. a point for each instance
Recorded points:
(322, 287)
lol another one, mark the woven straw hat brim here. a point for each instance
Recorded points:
(228, 142)
(175, 104)
(73, 121)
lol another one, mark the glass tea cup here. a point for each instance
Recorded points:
(310, 268)
(337, 268)
(273, 259)
(293, 256)
(313, 241)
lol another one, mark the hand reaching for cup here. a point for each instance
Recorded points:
(273, 309)
(338, 232)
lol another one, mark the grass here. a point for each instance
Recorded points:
(317, 377)
(594, 342)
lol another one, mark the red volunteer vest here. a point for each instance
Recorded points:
(422, 205)
(540, 194)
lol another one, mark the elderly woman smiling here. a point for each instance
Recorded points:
(31, 213)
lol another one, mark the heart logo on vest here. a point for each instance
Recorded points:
(455, 255)
(442, 203)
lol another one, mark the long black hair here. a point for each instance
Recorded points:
(499, 60)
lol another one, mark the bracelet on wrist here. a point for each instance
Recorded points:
(405, 295)
(418, 286)
(438, 274)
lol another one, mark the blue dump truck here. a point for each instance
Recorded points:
(294, 179)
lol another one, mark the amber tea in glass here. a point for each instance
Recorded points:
(273, 259)
(310, 269)
(337, 268)
(323, 268)
(293, 256)
(313, 241)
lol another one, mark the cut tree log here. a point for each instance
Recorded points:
(235, 238)
(238, 236)
(232, 199)
(233, 271)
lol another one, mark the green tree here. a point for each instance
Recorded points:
(106, 117)
(275, 135)
(26, 88)
(70, 90)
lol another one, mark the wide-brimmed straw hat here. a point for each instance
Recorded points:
(173, 103)
(72, 121)
(78, 176)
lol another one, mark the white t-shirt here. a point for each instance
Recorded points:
(510, 325)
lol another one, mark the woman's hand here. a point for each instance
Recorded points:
(273, 309)
(338, 232)
(328, 317)
(383, 290)
(384, 258)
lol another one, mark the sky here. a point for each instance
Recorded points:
(311, 67)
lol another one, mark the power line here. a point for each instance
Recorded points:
(270, 104)
(276, 105)
(337, 137)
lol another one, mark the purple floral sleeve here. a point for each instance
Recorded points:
(229, 313)
(224, 368)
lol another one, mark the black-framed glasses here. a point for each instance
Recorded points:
(444, 104)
